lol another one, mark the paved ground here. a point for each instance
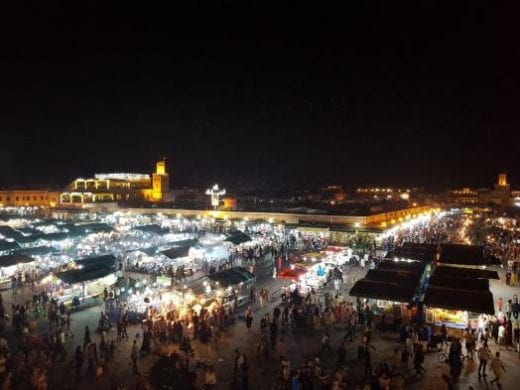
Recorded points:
(300, 345)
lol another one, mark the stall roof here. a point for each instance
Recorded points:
(149, 250)
(404, 253)
(460, 272)
(237, 237)
(37, 251)
(9, 232)
(458, 299)
(84, 275)
(188, 243)
(8, 245)
(156, 229)
(459, 283)
(9, 260)
(105, 260)
(391, 276)
(390, 291)
(422, 247)
(231, 276)
(30, 231)
(412, 266)
(176, 251)
(93, 227)
(462, 254)
(60, 236)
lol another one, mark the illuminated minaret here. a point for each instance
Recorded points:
(502, 180)
(160, 181)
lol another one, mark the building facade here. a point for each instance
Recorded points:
(500, 195)
(33, 198)
(120, 187)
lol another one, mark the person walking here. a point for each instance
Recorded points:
(501, 334)
(367, 360)
(78, 360)
(86, 338)
(134, 356)
(418, 361)
(498, 369)
(273, 329)
(342, 356)
(249, 318)
(325, 342)
(483, 356)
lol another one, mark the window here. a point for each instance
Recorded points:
(8, 198)
(35, 198)
(41, 197)
(17, 198)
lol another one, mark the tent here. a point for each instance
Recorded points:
(390, 291)
(461, 272)
(84, 274)
(464, 255)
(176, 252)
(232, 276)
(9, 260)
(155, 229)
(101, 261)
(236, 237)
(459, 299)
(8, 245)
(37, 251)
(403, 253)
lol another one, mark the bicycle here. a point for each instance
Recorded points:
(443, 357)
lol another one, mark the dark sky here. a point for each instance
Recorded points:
(263, 96)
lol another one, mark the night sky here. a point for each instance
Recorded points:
(263, 97)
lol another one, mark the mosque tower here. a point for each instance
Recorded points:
(161, 183)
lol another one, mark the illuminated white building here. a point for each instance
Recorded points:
(115, 187)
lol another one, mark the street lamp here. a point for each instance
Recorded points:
(215, 193)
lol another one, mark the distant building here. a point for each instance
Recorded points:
(115, 187)
(500, 195)
(464, 196)
(380, 193)
(20, 198)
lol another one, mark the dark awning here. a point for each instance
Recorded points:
(37, 251)
(373, 289)
(460, 272)
(480, 302)
(391, 276)
(105, 260)
(463, 254)
(176, 251)
(402, 253)
(472, 284)
(9, 260)
(8, 245)
(412, 266)
(231, 276)
(155, 229)
(237, 237)
(94, 227)
(420, 247)
(84, 275)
